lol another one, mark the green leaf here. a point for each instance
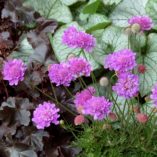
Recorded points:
(69, 2)
(62, 51)
(149, 78)
(127, 9)
(151, 9)
(52, 9)
(97, 21)
(110, 40)
(110, 2)
(137, 42)
(91, 7)
(24, 52)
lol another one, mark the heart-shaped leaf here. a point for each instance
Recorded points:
(127, 9)
(151, 9)
(149, 78)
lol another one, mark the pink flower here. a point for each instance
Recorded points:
(127, 85)
(13, 71)
(97, 107)
(60, 74)
(82, 97)
(145, 22)
(79, 119)
(45, 114)
(79, 67)
(121, 61)
(77, 39)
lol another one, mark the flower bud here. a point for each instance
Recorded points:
(79, 119)
(61, 122)
(147, 99)
(141, 118)
(112, 116)
(104, 81)
(135, 28)
(71, 56)
(141, 68)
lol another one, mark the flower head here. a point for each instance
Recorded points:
(60, 74)
(82, 97)
(97, 107)
(45, 114)
(121, 61)
(78, 39)
(79, 67)
(127, 85)
(13, 71)
(69, 37)
(145, 22)
(153, 96)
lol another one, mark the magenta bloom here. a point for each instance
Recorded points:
(82, 97)
(153, 96)
(121, 61)
(145, 22)
(127, 85)
(97, 107)
(79, 67)
(60, 74)
(45, 114)
(78, 39)
(13, 71)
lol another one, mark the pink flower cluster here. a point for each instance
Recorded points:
(121, 61)
(88, 104)
(13, 71)
(45, 114)
(127, 85)
(78, 39)
(153, 96)
(144, 22)
(64, 73)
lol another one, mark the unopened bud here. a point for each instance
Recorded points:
(80, 119)
(61, 122)
(104, 81)
(147, 99)
(135, 28)
(71, 56)
(141, 68)
(142, 118)
(112, 116)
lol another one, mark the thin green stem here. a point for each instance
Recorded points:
(68, 91)
(53, 90)
(57, 103)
